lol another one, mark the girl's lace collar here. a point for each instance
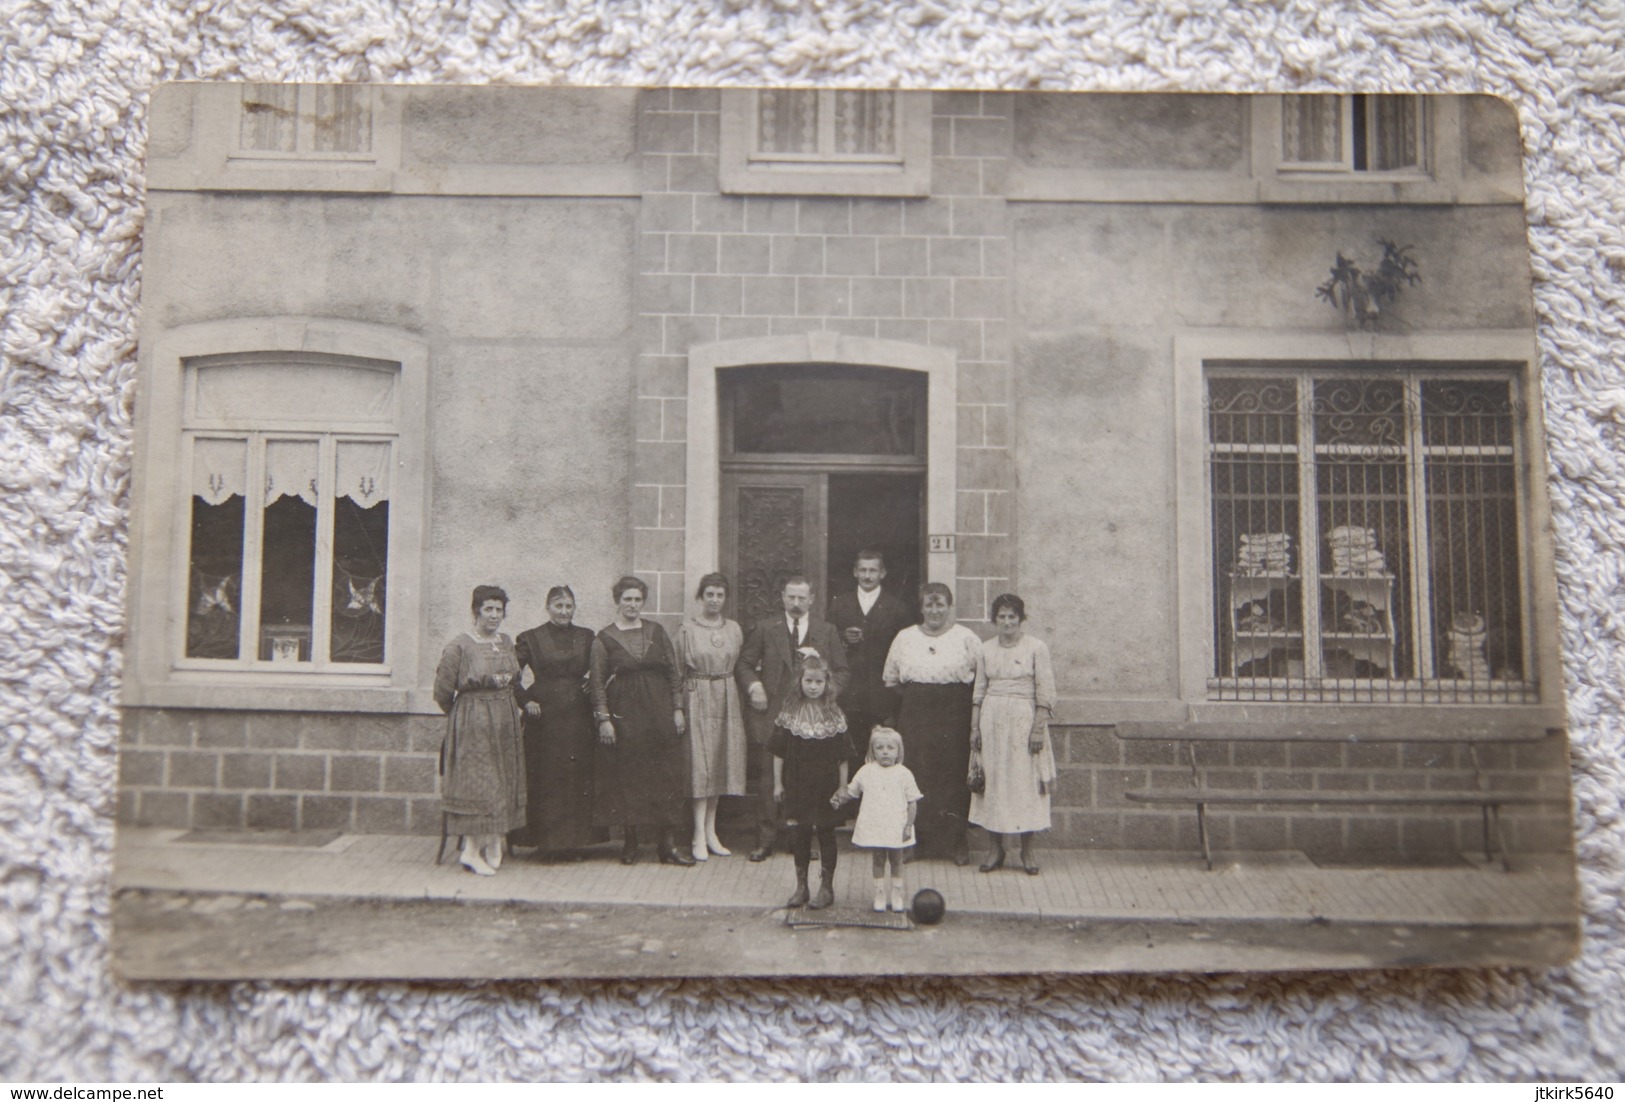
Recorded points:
(811, 719)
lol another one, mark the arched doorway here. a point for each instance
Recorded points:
(864, 450)
(818, 461)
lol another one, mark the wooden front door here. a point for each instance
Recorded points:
(774, 526)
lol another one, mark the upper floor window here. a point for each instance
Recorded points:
(817, 141)
(1366, 536)
(287, 558)
(1354, 133)
(318, 121)
(825, 126)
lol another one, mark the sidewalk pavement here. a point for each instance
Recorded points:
(1074, 884)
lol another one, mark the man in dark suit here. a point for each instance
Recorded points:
(768, 667)
(867, 619)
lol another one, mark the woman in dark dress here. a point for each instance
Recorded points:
(640, 765)
(933, 667)
(559, 736)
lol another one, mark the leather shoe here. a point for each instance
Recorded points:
(761, 853)
(670, 856)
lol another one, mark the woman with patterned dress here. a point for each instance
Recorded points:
(708, 645)
(933, 666)
(558, 728)
(483, 786)
(1012, 703)
(640, 777)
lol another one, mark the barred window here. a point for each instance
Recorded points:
(1359, 133)
(288, 550)
(1366, 536)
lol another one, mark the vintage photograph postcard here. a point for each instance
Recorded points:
(688, 532)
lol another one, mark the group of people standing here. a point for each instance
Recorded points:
(631, 728)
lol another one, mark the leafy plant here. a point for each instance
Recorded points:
(1361, 294)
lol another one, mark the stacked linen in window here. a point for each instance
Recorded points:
(1265, 553)
(1466, 637)
(1355, 553)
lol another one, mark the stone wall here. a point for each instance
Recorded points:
(219, 770)
(1096, 768)
(934, 271)
(296, 771)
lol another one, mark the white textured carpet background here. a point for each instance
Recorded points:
(75, 78)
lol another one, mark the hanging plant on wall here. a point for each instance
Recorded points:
(1362, 294)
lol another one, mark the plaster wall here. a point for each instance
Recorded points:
(480, 126)
(1132, 131)
(1099, 291)
(520, 300)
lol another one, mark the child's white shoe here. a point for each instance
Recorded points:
(880, 895)
(898, 903)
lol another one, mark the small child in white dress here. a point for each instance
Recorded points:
(886, 816)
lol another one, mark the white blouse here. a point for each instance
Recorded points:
(921, 659)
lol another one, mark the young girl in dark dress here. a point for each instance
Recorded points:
(811, 752)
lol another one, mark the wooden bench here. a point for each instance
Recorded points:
(1200, 795)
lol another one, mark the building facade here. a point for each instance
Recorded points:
(1240, 393)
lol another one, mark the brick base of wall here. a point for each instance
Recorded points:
(280, 771)
(1096, 768)
(379, 774)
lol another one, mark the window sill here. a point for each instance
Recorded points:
(1295, 690)
(858, 178)
(1358, 723)
(284, 695)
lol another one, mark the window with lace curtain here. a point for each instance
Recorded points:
(314, 121)
(288, 512)
(825, 126)
(1353, 134)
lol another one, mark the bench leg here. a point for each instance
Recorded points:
(1500, 837)
(1201, 832)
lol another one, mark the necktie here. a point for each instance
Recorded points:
(795, 632)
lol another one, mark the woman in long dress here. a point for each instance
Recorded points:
(933, 667)
(483, 791)
(558, 729)
(640, 778)
(1010, 715)
(708, 645)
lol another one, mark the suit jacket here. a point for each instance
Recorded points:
(867, 692)
(766, 657)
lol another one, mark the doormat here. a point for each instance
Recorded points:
(799, 919)
(305, 839)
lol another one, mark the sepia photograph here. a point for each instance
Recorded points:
(612, 532)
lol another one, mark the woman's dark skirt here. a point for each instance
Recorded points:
(934, 721)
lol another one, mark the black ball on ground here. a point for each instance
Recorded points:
(928, 907)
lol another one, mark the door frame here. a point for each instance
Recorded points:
(702, 545)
